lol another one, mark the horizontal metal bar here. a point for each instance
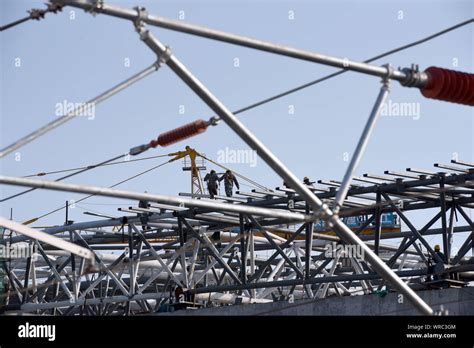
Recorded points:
(28, 307)
(292, 282)
(446, 166)
(463, 163)
(421, 171)
(182, 202)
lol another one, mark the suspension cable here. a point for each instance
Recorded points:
(88, 196)
(84, 169)
(340, 72)
(95, 166)
(254, 183)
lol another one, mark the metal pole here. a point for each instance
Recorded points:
(182, 241)
(28, 307)
(293, 282)
(252, 258)
(320, 209)
(182, 202)
(63, 119)
(450, 233)
(308, 244)
(243, 250)
(442, 197)
(130, 262)
(180, 26)
(468, 242)
(361, 145)
(378, 224)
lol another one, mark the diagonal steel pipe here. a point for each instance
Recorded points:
(361, 145)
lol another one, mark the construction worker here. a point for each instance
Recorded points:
(179, 294)
(437, 250)
(434, 265)
(307, 182)
(229, 181)
(212, 181)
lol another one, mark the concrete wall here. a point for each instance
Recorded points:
(456, 301)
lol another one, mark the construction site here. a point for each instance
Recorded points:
(388, 241)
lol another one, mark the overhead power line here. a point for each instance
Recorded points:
(81, 170)
(88, 196)
(340, 72)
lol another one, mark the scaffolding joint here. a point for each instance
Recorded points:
(323, 212)
(386, 78)
(37, 14)
(163, 57)
(142, 17)
(96, 7)
(54, 7)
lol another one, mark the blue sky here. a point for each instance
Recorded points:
(74, 59)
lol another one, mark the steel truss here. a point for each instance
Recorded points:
(192, 257)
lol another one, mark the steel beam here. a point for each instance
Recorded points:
(183, 202)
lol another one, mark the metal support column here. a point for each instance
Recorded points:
(243, 250)
(308, 244)
(444, 226)
(378, 224)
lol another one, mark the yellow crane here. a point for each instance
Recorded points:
(196, 180)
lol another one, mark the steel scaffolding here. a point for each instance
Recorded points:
(199, 252)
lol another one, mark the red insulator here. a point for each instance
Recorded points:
(449, 85)
(178, 134)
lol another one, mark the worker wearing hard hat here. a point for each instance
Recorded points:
(437, 250)
(307, 182)
(438, 264)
